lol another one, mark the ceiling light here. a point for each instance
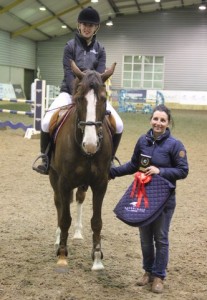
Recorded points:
(42, 8)
(202, 6)
(109, 22)
(64, 26)
(94, 1)
(157, 1)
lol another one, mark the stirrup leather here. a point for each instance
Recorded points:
(115, 158)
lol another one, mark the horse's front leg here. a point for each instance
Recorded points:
(96, 225)
(80, 196)
(64, 221)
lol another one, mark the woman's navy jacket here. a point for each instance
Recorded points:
(168, 154)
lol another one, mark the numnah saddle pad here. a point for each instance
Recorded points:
(157, 191)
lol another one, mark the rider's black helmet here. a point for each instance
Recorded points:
(89, 15)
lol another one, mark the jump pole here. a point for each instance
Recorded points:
(38, 91)
(10, 124)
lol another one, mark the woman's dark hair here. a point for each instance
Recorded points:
(162, 107)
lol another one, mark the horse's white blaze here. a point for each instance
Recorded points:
(90, 140)
(78, 226)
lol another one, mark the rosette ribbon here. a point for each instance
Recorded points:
(139, 184)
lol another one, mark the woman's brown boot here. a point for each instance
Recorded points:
(145, 279)
(157, 285)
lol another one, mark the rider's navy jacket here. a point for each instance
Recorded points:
(168, 154)
(86, 57)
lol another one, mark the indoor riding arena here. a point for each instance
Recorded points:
(171, 37)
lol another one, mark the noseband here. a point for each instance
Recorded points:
(98, 124)
(82, 124)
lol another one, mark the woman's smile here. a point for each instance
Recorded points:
(159, 122)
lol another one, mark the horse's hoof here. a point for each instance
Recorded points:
(97, 266)
(62, 261)
(78, 236)
(97, 263)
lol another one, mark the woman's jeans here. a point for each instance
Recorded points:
(155, 243)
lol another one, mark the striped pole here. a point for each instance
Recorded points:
(38, 98)
(17, 112)
(17, 100)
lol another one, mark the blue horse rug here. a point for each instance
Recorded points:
(144, 200)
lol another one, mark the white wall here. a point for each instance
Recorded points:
(12, 75)
(16, 54)
(4, 74)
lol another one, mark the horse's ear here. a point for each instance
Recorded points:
(108, 72)
(78, 73)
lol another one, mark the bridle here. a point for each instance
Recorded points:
(82, 124)
(99, 125)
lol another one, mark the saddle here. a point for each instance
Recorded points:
(58, 119)
(111, 122)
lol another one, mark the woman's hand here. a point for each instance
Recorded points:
(152, 170)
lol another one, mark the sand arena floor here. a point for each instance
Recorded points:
(28, 224)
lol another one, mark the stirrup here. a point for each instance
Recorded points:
(112, 161)
(45, 159)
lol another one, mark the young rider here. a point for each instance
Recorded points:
(87, 53)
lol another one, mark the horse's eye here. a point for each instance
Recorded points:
(103, 96)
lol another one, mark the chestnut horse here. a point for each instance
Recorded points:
(81, 159)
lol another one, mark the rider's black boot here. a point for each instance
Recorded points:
(43, 167)
(116, 140)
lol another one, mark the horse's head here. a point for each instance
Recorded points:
(90, 98)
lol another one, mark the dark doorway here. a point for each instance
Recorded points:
(29, 76)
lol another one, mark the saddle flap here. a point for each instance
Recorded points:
(58, 118)
(111, 123)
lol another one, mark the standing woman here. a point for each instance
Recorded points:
(169, 160)
(88, 54)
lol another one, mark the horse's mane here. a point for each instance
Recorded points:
(91, 80)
